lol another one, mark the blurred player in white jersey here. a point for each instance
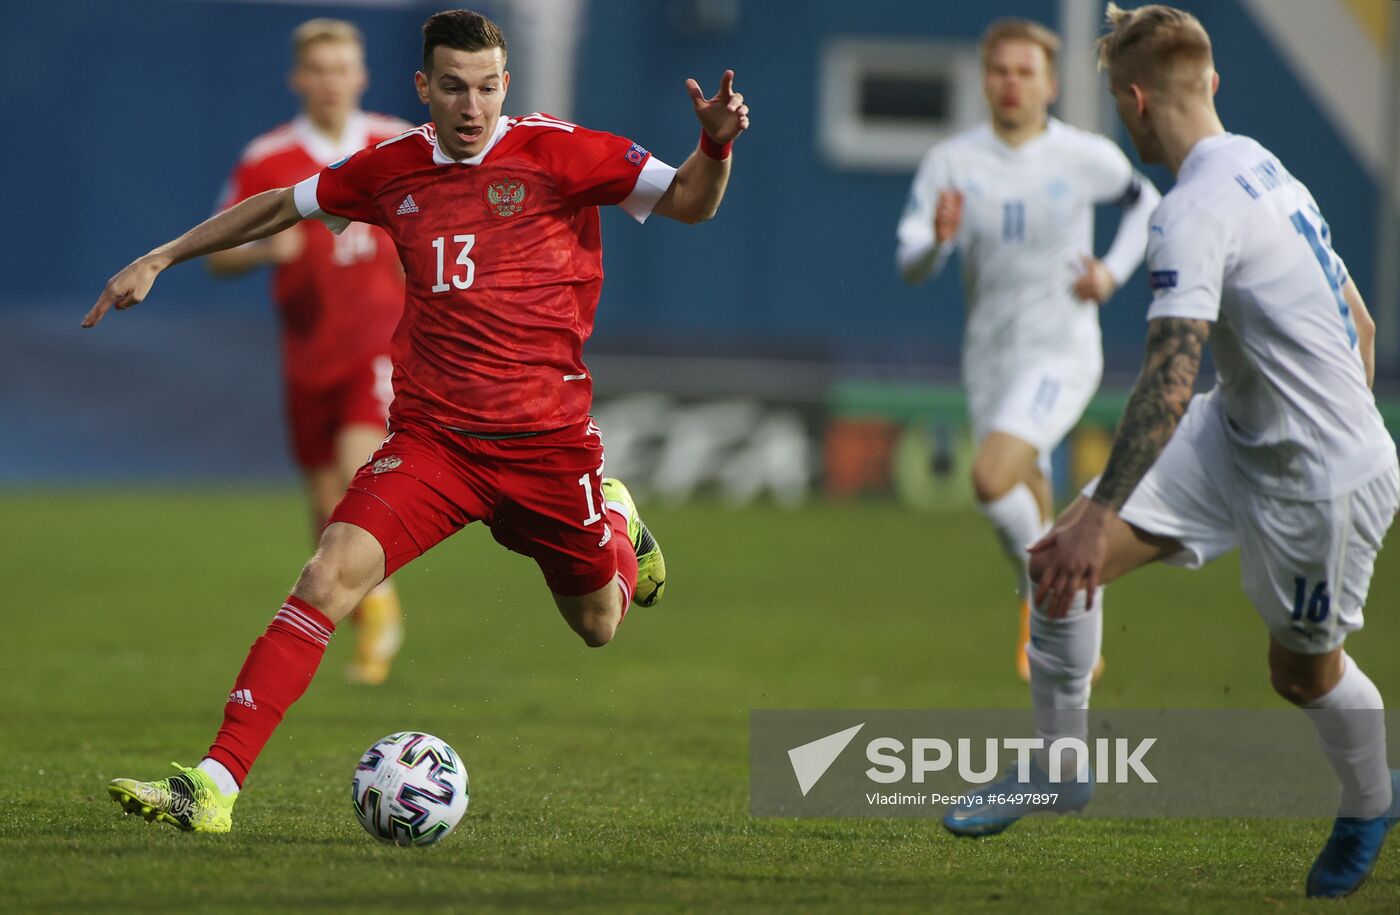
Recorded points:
(1015, 197)
(1287, 458)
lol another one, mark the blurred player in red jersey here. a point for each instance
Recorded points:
(339, 298)
(496, 223)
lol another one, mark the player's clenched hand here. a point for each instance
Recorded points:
(1070, 559)
(125, 289)
(1096, 283)
(947, 216)
(723, 117)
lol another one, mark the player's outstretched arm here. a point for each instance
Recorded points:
(257, 217)
(275, 250)
(1070, 558)
(698, 186)
(1365, 330)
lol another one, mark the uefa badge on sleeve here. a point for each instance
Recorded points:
(506, 197)
(636, 154)
(385, 464)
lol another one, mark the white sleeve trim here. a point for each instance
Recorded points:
(304, 194)
(1130, 243)
(1191, 310)
(653, 181)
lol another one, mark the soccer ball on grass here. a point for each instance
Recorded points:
(410, 788)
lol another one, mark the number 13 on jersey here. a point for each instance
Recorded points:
(460, 279)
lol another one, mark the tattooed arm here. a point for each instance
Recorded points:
(1072, 556)
(1158, 401)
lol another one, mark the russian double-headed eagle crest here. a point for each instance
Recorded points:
(506, 197)
(385, 464)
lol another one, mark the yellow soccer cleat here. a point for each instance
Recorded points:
(651, 565)
(190, 801)
(379, 621)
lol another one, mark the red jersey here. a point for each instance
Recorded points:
(340, 300)
(503, 260)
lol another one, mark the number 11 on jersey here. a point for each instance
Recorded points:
(463, 259)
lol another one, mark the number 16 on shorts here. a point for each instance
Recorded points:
(1313, 608)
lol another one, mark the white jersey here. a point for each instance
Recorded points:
(1240, 242)
(1028, 223)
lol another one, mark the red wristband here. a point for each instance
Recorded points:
(714, 150)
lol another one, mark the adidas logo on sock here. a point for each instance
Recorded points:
(243, 697)
(408, 206)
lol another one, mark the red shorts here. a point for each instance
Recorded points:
(541, 495)
(316, 416)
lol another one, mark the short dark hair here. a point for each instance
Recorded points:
(463, 30)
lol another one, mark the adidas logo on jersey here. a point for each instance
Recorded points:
(408, 206)
(243, 697)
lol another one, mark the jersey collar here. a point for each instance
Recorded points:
(441, 158)
(1052, 129)
(322, 148)
(1202, 148)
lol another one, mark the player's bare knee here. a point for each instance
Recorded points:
(1299, 687)
(597, 631)
(335, 579)
(595, 623)
(595, 617)
(988, 482)
(1303, 678)
(318, 582)
(1299, 683)
(1293, 690)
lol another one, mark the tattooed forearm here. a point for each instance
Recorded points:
(1158, 401)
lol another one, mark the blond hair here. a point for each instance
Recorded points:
(1156, 46)
(1020, 30)
(315, 31)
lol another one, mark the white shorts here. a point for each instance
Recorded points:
(1305, 565)
(1038, 400)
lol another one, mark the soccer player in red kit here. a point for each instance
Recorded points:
(496, 223)
(339, 298)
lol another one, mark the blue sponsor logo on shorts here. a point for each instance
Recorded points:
(1162, 279)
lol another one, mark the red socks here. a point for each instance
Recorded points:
(626, 555)
(278, 670)
(283, 660)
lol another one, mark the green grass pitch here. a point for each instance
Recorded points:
(611, 779)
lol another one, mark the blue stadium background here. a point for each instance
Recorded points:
(123, 119)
